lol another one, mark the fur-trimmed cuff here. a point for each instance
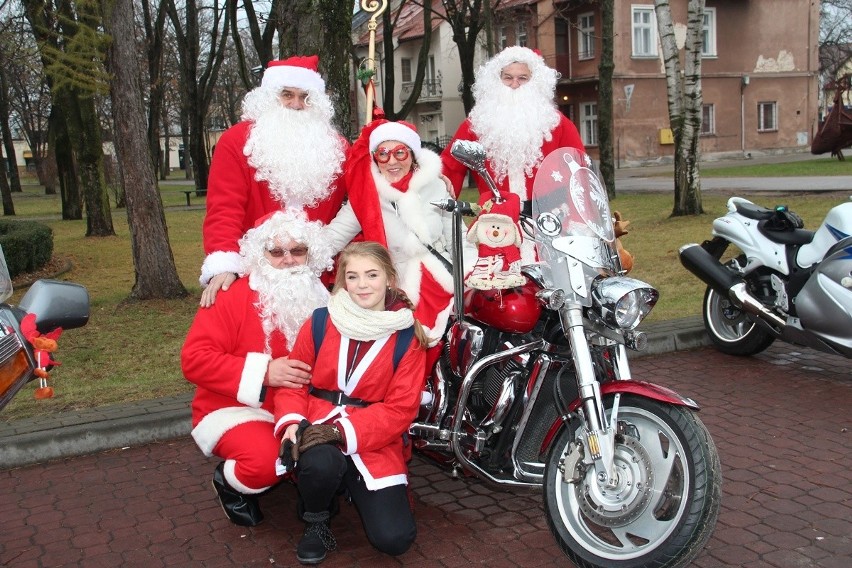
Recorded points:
(251, 380)
(212, 427)
(286, 420)
(349, 436)
(219, 262)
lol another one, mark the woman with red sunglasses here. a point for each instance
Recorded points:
(392, 180)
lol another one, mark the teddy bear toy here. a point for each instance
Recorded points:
(619, 225)
(497, 234)
(44, 344)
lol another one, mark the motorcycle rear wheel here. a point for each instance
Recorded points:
(665, 504)
(731, 330)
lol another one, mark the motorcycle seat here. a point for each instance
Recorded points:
(785, 236)
(752, 211)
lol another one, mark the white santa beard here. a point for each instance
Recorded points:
(297, 152)
(286, 298)
(512, 124)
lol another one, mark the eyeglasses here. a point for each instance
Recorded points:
(295, 252)
(383, 155)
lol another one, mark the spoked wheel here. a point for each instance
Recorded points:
(730, 329)
(661, 509)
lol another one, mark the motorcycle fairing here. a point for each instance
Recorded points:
(836, 226)
(759, 250)
(638, 388)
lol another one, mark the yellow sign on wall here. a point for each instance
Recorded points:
(666, 136)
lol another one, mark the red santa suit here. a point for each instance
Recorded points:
(236, 200)
(564, 134)
(373, 433)
(232, 414)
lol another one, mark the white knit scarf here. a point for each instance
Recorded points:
(355, 322)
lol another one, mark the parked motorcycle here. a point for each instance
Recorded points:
(534, 389)
(54, 305)
(784, 282)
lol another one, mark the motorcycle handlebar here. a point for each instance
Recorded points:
(464, 207)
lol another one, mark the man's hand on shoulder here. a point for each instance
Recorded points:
(222, 282)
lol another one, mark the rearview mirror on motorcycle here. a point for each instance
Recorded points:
(472, 155)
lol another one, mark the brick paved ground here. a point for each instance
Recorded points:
(781, 423)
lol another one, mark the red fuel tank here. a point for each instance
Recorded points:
(515, 310)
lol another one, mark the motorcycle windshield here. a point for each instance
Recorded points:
(5, 279)
(572, 222)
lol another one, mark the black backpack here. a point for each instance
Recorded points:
(320, 316)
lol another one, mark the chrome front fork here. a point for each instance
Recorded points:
(600, 432)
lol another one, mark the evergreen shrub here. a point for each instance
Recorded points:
(27, 245)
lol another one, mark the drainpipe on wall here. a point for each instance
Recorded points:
(743, 83)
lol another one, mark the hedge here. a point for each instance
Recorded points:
(27, 245)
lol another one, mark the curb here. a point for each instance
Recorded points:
(70, 434)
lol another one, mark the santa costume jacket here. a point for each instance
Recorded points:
(373, 434)
(564, 134)
(223, 355)
(410, 224)
(236, 200)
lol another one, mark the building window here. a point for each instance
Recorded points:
(708, 120)
(502, 37)
(589, 123)
(406, 70)
(644, 31)
(521, 34)
(708, 33)
(586, 37)
(767, 116)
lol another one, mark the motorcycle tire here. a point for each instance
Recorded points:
(664, 506)
(730, 329)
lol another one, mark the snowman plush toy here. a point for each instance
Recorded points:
(497, 235)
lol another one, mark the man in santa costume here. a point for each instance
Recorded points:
(517, 121)
(392, 181)
(284, 153)
(236, 353)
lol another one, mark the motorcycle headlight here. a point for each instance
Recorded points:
(551, 299)
(623, 302)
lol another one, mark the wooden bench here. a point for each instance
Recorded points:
(198, 193)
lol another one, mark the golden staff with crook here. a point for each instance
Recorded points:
(376, 7)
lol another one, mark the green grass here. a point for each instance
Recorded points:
(816, 167)
(130, 350)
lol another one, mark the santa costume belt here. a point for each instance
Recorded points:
(338, 398)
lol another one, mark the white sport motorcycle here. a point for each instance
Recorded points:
(786, 282)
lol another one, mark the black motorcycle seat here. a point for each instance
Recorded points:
(785, 236)
(753, 211)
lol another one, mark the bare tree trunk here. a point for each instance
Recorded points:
(14, 183)
(153, 261)
(684, 102)
(69, 189)
(605, 108)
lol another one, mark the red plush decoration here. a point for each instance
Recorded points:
(497, 235)
(44, 344)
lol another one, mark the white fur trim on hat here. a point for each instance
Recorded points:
(395, 131)
(281, 76)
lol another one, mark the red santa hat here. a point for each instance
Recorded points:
(402, 131)
(298, 71)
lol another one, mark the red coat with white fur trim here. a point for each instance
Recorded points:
(565, 134)
(373, 433)
(411, 223)
(223, 355)
(236, 200)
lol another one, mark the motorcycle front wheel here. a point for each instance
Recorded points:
(663, 506)
(731, 330)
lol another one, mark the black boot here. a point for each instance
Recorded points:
(317, 539)
(240, 508)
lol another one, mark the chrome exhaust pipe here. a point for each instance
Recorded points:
(710, 271)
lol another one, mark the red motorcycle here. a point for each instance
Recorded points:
(534, 389)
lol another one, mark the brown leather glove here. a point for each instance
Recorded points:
(319, 434)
